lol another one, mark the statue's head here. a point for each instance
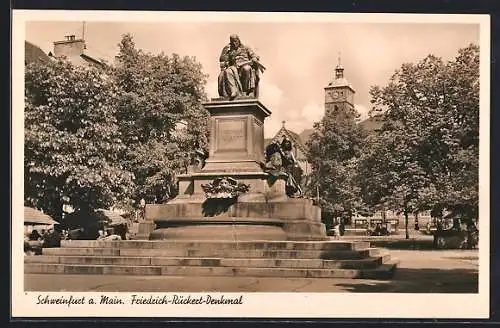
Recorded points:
(286, 144)
(272, 148)
(234, 40)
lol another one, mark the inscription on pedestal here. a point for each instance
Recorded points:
(231, 135)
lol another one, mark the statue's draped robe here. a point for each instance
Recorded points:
(279, 162)
(293, 171)
(238, 76)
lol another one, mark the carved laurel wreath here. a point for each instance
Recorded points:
(224, 187)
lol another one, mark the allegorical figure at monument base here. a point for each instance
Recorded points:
(240, 70)
(280, 160)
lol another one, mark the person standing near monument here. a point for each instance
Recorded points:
(240, 70)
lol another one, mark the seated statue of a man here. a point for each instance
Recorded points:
(240, 70)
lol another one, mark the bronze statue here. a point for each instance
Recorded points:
(280, 160)
(240, 70)
(197, 158)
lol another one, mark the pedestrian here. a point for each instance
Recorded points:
(336, 229)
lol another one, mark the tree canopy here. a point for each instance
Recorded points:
(333, 150)
(101, 137)
(425, 156)
(161, 117)
(73, 144)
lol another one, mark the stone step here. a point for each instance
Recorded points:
(384, 272)
(216, 253)
(83, 251)
(240, 245)
(366, 263)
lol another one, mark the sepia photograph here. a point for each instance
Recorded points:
(250, 164)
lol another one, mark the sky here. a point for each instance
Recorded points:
(300, 56)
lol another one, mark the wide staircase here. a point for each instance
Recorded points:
(291, 259)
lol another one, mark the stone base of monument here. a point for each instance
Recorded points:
(230, 220)
(285, 259)
(263, 212)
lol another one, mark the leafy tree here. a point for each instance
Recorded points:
(333, 150)
(104, 137)
(160, 116)
(425, 156)
(72, 139)
(389, 177)
(98, 137)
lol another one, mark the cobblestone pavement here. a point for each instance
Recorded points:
(433, 271)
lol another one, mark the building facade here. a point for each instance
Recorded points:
(75, 50)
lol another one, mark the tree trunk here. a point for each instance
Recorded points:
(407, 235)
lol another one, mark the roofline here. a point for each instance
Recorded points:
(93, 59)
(69, 41)
(341, 86)
(297, 142)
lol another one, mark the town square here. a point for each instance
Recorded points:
(253, 156)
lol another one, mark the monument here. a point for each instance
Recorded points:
(240, 193)
(239, 211)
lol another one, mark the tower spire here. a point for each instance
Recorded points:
(339, 70)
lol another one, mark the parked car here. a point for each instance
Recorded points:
(380, 229)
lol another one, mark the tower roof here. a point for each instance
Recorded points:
(339, 80)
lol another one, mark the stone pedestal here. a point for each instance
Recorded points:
(236, 135)
(237, 152)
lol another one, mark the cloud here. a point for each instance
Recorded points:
(312, 112)
(271, 126)
(362, 110)
(296, 120)
(211, 89)
(270, 94)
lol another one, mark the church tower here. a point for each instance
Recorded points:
(339, 94)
